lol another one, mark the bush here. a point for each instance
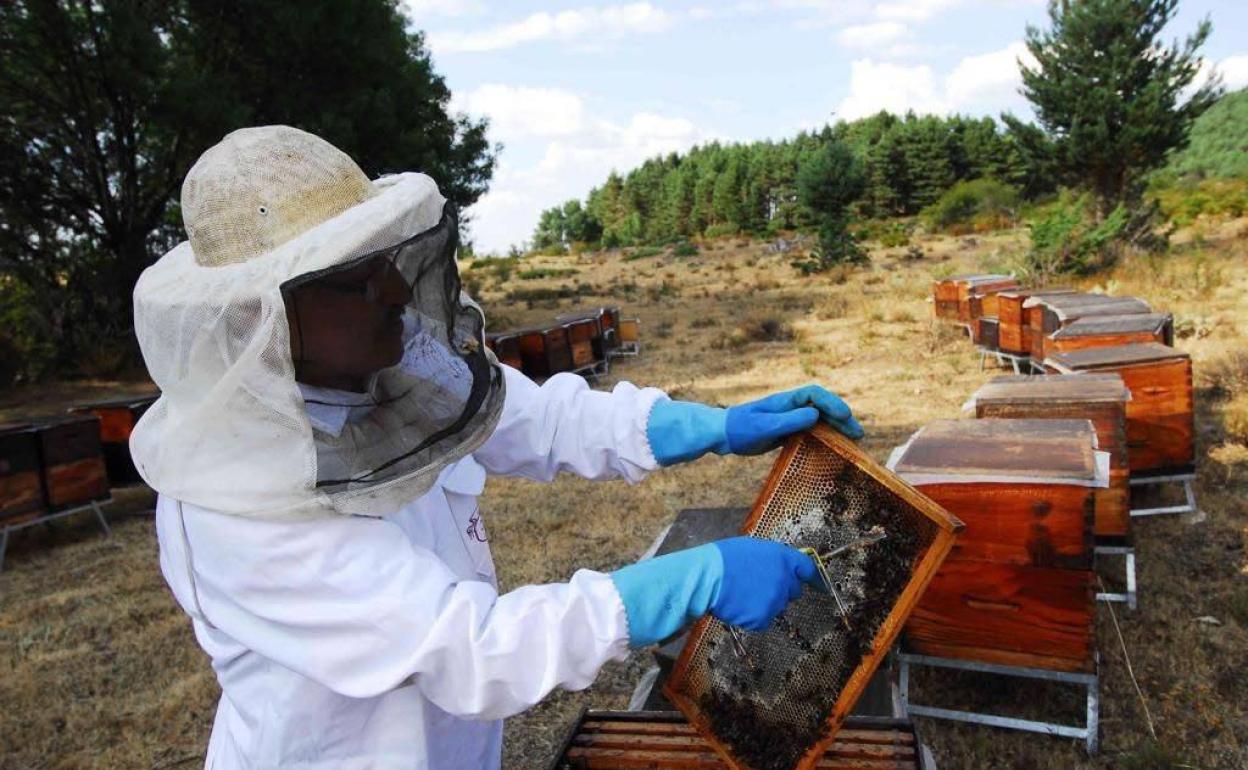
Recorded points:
(1185, 201)
(1066, 239)
(545, 272)
(1235, 419)
(722, 229)
(685, 249)
(642, 252)
(896, 234)
(974, 205)
(27, 350)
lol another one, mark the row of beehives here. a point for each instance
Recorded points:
(1043, 478)
(583, 343)
(56, 465)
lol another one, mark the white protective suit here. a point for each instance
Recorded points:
(358, 643)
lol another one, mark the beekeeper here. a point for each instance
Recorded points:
(328, 415)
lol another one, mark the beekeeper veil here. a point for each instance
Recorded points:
(283, 230)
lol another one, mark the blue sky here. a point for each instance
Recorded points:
(574, 90)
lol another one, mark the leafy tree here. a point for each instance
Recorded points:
(106, 106)
(1107, 91)
(828, 180)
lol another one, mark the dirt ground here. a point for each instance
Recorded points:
(98, 668)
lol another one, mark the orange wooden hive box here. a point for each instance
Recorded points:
(776, 700)
(1015, 334)
(664, 740)
(1160, 426)
(945, 293)
(981, 296)
(1103, 331)
(608, 320)
(544, 352)
(1017, 589)
(506, 347)
(1048, 314)
(21, 485)
(585, 341)
(117, 420)
(72, 461)
(1101, 398)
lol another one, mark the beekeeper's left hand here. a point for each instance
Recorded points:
(680, 431)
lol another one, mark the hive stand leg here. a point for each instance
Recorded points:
(1087, 732)
(1189, 495)
(1128, 554)
(99, 514)
(1014, 361)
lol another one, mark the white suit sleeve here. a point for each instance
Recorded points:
(564, 425)
(349, 603)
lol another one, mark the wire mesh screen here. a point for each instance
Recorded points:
(773, 700)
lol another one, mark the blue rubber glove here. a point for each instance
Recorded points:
(743, 581)
(680, 431)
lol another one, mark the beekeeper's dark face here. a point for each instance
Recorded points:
(347, 325)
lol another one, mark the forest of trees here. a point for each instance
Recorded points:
(907, 161)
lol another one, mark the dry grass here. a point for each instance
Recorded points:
(100, 669)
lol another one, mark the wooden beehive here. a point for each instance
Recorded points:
(1015, 332)
(21, 484)
(1100, 398)
(977, 294)
(781, 706)
(545, 352)
(585, 341)
(506, 347)
(1109, 330)
(1017, 588)
(1052, 313)
(607, 319)
(630, 331)
(945, 295)
(72, 461)
(117, 421)
(1160, 426)
(664, 740)
(988, 333)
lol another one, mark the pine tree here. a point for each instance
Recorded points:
(1107, 91)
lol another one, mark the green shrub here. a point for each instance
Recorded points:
(974, 205)
(1182, 202)
(27, 350)
(722, 229)
(1066, 238)
(685, 249)
(545, 272)
(896, 234)
(642, 252)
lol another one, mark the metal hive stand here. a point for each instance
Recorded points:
(1128, 597)
(1088, 732)
(1019, 363)
(44, 518)
(1189, 493)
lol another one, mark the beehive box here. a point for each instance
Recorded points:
(1017, 588)
(72, 461)
(117, 421)
(977, 295)
(585, 341)
(21, 488)
(1052, 313)
(1100, 398)
(664, 740)
(1160, 426)
(1110, 330)
(506, 347)
(946, 293)
(1015, 332)
(630, 331)
(781, 705)
(608, 320)
(545, 352)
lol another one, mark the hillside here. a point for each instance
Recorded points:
(99, 668)
(1218, 143)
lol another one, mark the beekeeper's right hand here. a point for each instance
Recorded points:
(743, 581)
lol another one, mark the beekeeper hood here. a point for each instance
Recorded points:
(270, 212)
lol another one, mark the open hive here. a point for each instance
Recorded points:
(663, 740)
(1160, 426)
(775, 699)
(21, 488)
(117, 421)
(1017, 588)
(1050, 313)
(1015, 333)
(1109, 330)
(1100, 398)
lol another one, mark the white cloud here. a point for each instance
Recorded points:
(979, 84)
(1234, 70)
(419, 10)
(576, 150)
(873, 35)
(913, 10)
(875, 86)
(516, 111)
(571, 25)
